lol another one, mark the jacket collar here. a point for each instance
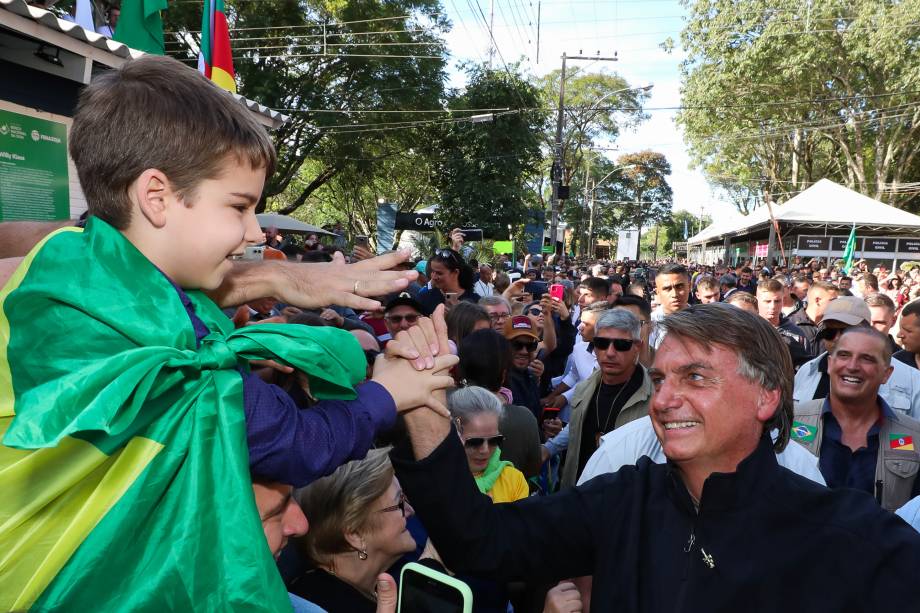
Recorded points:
(726, 491)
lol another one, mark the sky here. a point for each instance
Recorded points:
(634, 29)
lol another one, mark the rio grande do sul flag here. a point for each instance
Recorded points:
(902, 442)
(215, 60)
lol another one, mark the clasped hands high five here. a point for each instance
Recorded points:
(415, 366)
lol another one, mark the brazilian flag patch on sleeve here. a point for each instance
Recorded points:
(803, 432)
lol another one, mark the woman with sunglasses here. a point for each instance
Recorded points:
(357, 530)
(451, 281)
(476, 413)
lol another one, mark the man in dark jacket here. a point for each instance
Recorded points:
(524, 375)
(808, 317)
(720, 527)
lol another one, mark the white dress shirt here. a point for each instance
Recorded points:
(631, 441)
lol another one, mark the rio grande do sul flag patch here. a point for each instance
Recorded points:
(902, 442)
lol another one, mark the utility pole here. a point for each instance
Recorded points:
(538, 31)
(557, 174)
(587, 240)
(591, 223)
(491, 32)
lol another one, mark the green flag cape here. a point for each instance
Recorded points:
(124, 475)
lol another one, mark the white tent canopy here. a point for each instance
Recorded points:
(823, 204)
(288, 224)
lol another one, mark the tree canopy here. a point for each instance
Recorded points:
(483, 169)
(778, 94)
(333, 67)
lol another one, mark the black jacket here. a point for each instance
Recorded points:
(526, 390)
(554, 363)
(809, 329)
(765, 539)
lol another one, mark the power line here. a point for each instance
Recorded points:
(347, 111)
(319, 44)
(317, 26)
(259, 57)
(312, 36)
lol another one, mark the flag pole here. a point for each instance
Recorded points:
(779, 237)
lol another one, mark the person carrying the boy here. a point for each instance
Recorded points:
(129, 436)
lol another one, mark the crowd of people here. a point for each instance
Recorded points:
(558, 433)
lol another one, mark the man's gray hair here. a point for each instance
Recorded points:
(871, 332)
(620, 319)
(467, 402)
(494, 301)
(763, 358)
(596, 307)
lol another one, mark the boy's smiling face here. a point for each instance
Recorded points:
(192, 240)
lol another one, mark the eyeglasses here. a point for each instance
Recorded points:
(401, 506)
(535, 312)
(478, 441)
(529, 346)
(499, 316)
(411, 319)
(620, 344)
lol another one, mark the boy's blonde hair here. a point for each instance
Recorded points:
(155, 112)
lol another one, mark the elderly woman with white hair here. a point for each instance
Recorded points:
(477, 413)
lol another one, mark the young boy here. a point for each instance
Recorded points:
(130, 423)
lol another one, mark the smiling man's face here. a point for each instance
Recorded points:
(857, 368)
(703, 411)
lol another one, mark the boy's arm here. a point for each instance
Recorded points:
(297, 446)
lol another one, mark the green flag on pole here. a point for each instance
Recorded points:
(849, 253)
(124, 469)
(140, 26)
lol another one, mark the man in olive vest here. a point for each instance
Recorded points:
(861, 443)
(618, 392)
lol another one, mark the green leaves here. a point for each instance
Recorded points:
(483, 168)
(778, 94)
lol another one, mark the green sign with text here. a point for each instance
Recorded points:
(33, 168)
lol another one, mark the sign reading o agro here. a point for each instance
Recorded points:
(421, 222)
(33, 168)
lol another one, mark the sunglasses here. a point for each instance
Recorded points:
(478, 441)
(446, 254)
(829, 334)
(535, 312)
(401, 506)
(620, 344)
(371, 356)
(518, 345)
(411, 319)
